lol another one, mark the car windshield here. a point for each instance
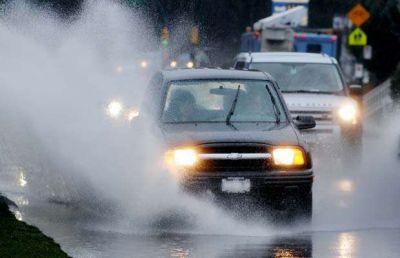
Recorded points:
(210, 101)
(299, 77)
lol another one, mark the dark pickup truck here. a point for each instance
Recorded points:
(230, 132)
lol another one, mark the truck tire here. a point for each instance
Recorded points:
(294, 207)
(305, 208)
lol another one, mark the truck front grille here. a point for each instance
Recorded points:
(233, 158)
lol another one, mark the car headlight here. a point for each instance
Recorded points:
(190, 65)
(173, 64)
(348, 113)
(114, 109)
(182, 157)
(144, 64)
(288, 156)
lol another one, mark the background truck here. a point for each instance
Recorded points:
(282, 32)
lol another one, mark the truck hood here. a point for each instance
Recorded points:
(315, 102)
(191, 134)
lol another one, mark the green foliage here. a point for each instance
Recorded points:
(383, 30)
(17, 239)
(321, 12)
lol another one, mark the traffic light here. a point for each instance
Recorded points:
(164, 37)
(195, 35)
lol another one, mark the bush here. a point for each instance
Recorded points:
(395, 81)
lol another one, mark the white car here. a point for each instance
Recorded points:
(313, 84)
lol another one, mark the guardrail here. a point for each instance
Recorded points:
(378, 102)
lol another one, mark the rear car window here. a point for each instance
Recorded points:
(292, 77)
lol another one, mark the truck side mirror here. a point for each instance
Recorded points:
(304, 122)
(356, 89)
(240, 65)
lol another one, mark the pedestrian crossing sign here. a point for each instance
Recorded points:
(358, 38)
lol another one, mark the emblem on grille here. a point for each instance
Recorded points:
(234, 156)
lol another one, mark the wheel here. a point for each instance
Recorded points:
(299, 209)
(291, 207)
(304, 207)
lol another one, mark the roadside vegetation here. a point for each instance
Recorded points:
(18, 239)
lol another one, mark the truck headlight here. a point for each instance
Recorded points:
(182, 157)
(114, 109)
(348, 113)
(288, 156)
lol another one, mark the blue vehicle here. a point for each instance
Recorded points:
(315, 43)
(278, 32)
(301, 42)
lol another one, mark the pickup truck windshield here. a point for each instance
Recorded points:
(302, 77)
(210, 101)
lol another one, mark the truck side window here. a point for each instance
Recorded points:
(314, 48)
(240, 65)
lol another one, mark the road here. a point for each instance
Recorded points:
(356, 211)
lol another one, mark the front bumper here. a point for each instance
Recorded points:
(260, 181)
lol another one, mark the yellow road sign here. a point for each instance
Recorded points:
(358, 38)
(358, 15)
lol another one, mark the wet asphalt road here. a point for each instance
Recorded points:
(336, 233)
(81, 238)
(361, 243)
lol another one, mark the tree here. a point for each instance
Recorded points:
(65, 8)
(383, 30)
(395, 82)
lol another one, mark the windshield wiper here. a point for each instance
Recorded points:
(232, 110)
(276, 108)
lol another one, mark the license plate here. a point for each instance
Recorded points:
(235, 185)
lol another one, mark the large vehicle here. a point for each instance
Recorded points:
(313, 84)
(229, 132)
(280, 32)
(315, 43)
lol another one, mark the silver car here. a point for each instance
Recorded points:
(313, 84)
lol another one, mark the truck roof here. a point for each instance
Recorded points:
(286, 57)
(206, 73)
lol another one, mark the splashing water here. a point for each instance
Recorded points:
(56, 80)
